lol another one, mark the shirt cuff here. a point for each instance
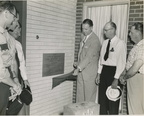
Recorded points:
(79, 68)
(99, 69)
(116, 77)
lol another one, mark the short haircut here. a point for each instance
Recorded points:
(88, 21)
(20, 26)
(138, 26)
(113, 25)
(7, 6)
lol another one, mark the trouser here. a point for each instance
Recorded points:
(135, 94)
(106, 78)
(86, 89)
(25, 110)
(4, 97)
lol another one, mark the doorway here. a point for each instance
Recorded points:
(101, 12)
(21, 7)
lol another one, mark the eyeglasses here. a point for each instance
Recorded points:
(13, 14)
(107, 29)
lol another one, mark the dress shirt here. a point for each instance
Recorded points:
(83, 42)
(117, 56)
(136, 53)
(85, 39)
(21, 60)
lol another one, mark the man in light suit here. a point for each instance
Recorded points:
(87, 65)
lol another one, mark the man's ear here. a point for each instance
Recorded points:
(6, 15)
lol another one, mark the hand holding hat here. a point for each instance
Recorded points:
(114, 84)
(113, 94)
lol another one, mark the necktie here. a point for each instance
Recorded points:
(107, 51)
(83, 42)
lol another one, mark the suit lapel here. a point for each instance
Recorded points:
(80, 50)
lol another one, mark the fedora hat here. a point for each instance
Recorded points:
(113, 94)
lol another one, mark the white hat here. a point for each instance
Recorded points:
(113, 94)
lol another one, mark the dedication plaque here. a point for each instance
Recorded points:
(53, 64)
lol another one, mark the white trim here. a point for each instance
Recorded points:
(104, 3)
(86, 5)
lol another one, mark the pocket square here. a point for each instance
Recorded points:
(112, 50)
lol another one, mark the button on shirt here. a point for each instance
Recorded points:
(117, 56)
(136, 53)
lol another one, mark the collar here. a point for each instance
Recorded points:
(114, 39)
(87, 37)
(140, 42)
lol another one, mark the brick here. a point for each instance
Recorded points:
(131, 11)
(89, 0)
(80, 0)
(132, 3)
(138, 19)
(134, 7)
(139, 2)
(78, 22)
(139, 11)
(80, 7)
(79, 11)
(79, 3)
(131, 19)
(134, 15)
(131, 23)
(136, 0)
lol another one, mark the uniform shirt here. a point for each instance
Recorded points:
(136, 53)
(21, 60)
(117, 56)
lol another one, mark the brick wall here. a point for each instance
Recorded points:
(54, 22)
(135, 15)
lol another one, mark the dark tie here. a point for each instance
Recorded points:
(84, 40)
(107, 51)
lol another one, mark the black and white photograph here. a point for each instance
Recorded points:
(71, 57)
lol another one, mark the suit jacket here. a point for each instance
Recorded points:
(88, 56)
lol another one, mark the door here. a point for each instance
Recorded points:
(102, 12)
(21, 8)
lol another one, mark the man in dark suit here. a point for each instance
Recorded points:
(87, 65)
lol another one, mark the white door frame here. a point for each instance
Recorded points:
(87, 5)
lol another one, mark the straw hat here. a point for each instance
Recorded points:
(113, 94)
